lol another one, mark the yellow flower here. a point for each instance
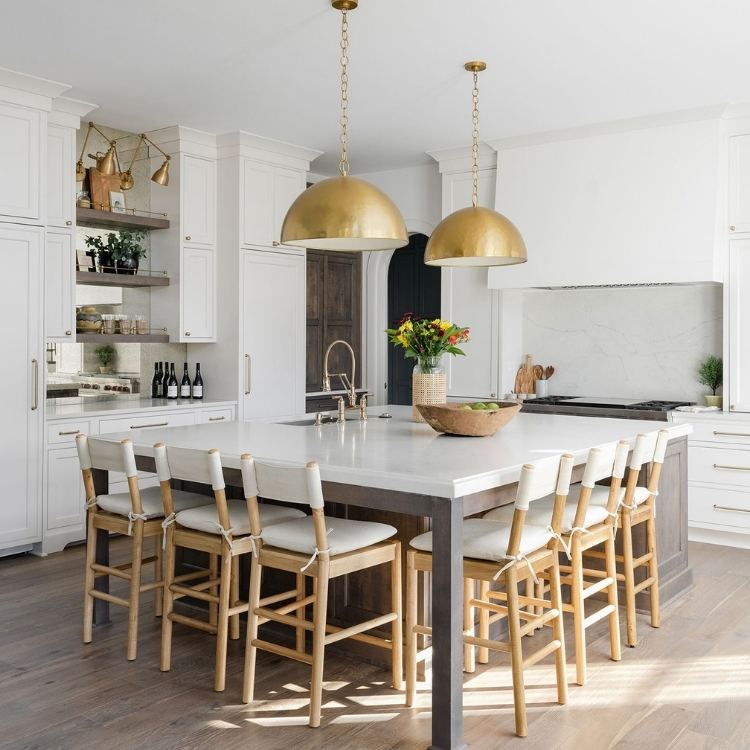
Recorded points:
(408, 325)
(402, 340)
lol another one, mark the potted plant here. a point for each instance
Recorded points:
(127, 250)
(106, 354)
(711, 374)
(103, 253)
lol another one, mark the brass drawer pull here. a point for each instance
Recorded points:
(726, 507)
(215, 419)
(142, 426)
(69, 432)
(733, 434)
(735, 468)
(36, 385)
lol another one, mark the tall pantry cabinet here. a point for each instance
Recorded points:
(36, 132)
(259, 354)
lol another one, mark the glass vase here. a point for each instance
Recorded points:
(428, 384)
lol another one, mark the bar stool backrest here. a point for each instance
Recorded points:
(95, 453)
(607, 462)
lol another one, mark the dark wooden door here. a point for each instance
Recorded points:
(334, 311)
(412, 287)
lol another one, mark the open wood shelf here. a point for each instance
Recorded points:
(111, 220)
(119, 279)
(121, 338)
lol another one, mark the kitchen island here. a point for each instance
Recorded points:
(398, 466)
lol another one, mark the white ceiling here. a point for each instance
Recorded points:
(271, 67)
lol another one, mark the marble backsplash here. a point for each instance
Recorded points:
(632, 342)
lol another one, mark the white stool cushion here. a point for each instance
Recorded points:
(488, 540)
(540, 514)
(344, 535)
(151, 502)
(206, 518)
(600, 495)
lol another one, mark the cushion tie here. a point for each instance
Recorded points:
(253, 537)
(560, 539)
(90, 503)
(314, 555)
(132, 517)
(227, 534)
(511, 561)
(170, 519)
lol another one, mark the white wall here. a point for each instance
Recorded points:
(639, 342)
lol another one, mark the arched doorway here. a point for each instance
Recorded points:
(412, 287)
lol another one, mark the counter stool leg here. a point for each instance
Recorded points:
(469, 664)
(225, 590)
(158, 576)
(234, 599)
(579, 615)
(397, 636)
(213, 573)
(629, 573)
(248, 681)
(411, 620)
(166, 620)
(653, 571)
(88, 600)
(516, 653)
(614, 616)
(558, 633)
(319, 636)
(483, 654)
(135, 589)
(301, 587)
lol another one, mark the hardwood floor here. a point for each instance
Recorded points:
(685, 687)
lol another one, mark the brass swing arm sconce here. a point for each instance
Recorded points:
(110, 163)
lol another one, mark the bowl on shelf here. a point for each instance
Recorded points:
(453, 420)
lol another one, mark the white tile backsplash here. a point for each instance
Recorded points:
(634, 342)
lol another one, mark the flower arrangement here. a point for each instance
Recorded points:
(427, 338)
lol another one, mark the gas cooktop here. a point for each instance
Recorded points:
(627, 408)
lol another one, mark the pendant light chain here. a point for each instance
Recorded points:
(344, 120)
(475, 141)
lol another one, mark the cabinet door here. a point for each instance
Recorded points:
(23, 381)
(739, 183)
(273, 334)
(288, 184)
(65, 493)
(739, 325)
(466, 301)
(257, 203)
(197, 295)
(198, 200)
(20, 156)
(60, 176)
(59, 287)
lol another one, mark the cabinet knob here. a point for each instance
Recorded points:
(187, 333)
(275, 244)
(188, 238)
(731, 229)
(68, 333)
(68, 223)
(492, 395)
(732, 407)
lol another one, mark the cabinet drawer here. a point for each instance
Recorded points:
(719, 466)
(146, 420)
(215, 415)
(720, 432)
(62, 433)
(722, 507)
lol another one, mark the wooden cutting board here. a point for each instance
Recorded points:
(525, 378)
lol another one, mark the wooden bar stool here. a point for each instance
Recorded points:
(137, 513)
(322, 548)
(583, 526)
(222, 529)
(525, 552)
(637, 505)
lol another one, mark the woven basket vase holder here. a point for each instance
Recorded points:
(427, 388)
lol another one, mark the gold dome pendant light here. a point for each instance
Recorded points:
(344, 213)
(475, 236)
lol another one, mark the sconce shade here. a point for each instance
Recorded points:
(344, 213)
(80, 172)
(106, 165)
(475, 236)
(161, 176)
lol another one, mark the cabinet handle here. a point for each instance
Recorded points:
(734, 468)
(187, 239)
(275, 244)
(68, 333)
(68, 432)
(215, 419)
(68, 223)
(142, 426)
(733, 434)
(187, 333)
(727, 507)
(247, 374)
(731, 229)
(36, 385)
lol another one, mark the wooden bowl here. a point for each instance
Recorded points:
(453, 420)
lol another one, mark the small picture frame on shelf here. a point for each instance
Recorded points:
(117, 202)
(85, 260)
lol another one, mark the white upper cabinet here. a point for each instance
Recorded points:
(198, 297)
(738, 304)
(60, 176)
(739, 183)
(198, 190)
(20, 157)
(59, 286)
(267, 193)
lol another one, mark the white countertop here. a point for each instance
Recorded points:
(398, 454)
(155, 405)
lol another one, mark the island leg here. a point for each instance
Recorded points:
(101, 607)
(447, 625)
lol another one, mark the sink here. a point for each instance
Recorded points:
(311, 421)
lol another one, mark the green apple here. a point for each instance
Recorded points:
(465, 406)
(492, 406)
(480, 406)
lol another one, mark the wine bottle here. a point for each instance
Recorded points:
(156, 382)
(172, 384)
(165, 381)
(198, 383)
(185, 384)
(162, 383)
